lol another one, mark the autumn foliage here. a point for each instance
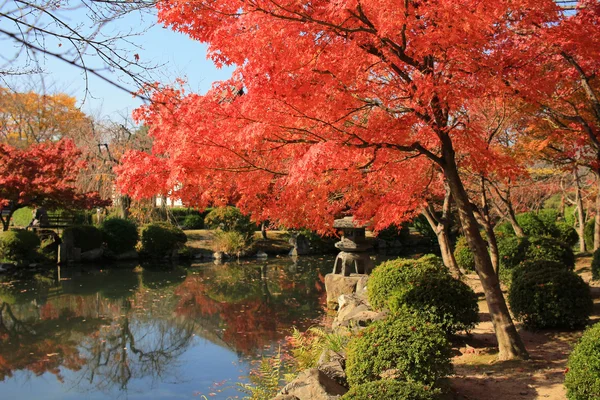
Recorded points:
(42, 175)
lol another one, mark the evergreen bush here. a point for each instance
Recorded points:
(440, 299)
(416, 350)
(583, 370)
(596, 265)
(388, 389)
(193, 221)
(391, 275)
(160, 239)
(230, 219)
(463, 255)
(566, 234)
(120, 235)
(549, 297)
(515, 250)
(18, 245)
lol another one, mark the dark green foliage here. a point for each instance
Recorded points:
(596, 265)
(533, 224)
(515, 250)
(393, 232)
(588, 234)
(422, 226)
(86, 237)
(566, 233)
(160, 239)
(390, 390)
(583, 370)
(18, 245)
(391, 275)
(120, 235)
(230, 219)
(550, 297)
(504, 228)
(405, 342)
(440, 299)
(463, 255)
(193, 221)
(512, 250)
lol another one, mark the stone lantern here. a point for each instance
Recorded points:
(353, 257)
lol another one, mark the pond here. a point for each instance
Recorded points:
(151, 332)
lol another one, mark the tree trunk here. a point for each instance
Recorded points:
(580, 214)
(510, 344)
(441, 232)
(125, 204)
(513, 222)
(492, 246)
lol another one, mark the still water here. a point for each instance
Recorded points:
(151, 332)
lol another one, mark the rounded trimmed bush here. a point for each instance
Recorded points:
(512, 251)
(120, 235)
(17, 245)
(230, 219)
(566, 234)
(533, 225)
(440, 299)
(404, 342)
(160, 239)
(549, 297)
(193, 221)
(390, 390)
(596, 265)
(463, 255)
(391, 275)
(86, 237)
(516, 250)
(583, 370)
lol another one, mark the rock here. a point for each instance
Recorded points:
(314, 384)
(92, 255)
(285, 397)
(128, 255)
(355, 313)
(218, 255)
(337, 285)
(333, 365)
(301, 245)
(262, 254)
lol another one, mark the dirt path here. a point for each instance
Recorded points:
(479, 376)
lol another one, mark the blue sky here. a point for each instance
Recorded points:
(180, 57)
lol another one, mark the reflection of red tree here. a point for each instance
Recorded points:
(249, 324)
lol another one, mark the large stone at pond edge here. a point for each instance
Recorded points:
(313, 384)
(355, 312)
(285, 397)
(92, 255)
(337, 285)
(333, 365)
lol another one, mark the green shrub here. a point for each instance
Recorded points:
(160, 239)
(120, 235)
(440, 299)
(22, 217)
(193, 221)
(389, 389)
(231, 243)
(86, 237)
(532, 224)
(18, 245)
(566, 234)
(588, 234)
(391, 275)
(583, 370)
(463, 255)
(512, 251)
(596, 265)
(230, 219)
(549, 297)
(418, 350)
(504, 228)
(515, 250)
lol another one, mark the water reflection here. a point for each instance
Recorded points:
(124, 330)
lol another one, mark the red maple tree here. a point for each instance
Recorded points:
(42, 175)
(338, 107)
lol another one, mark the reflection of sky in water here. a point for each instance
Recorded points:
(182, 334)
